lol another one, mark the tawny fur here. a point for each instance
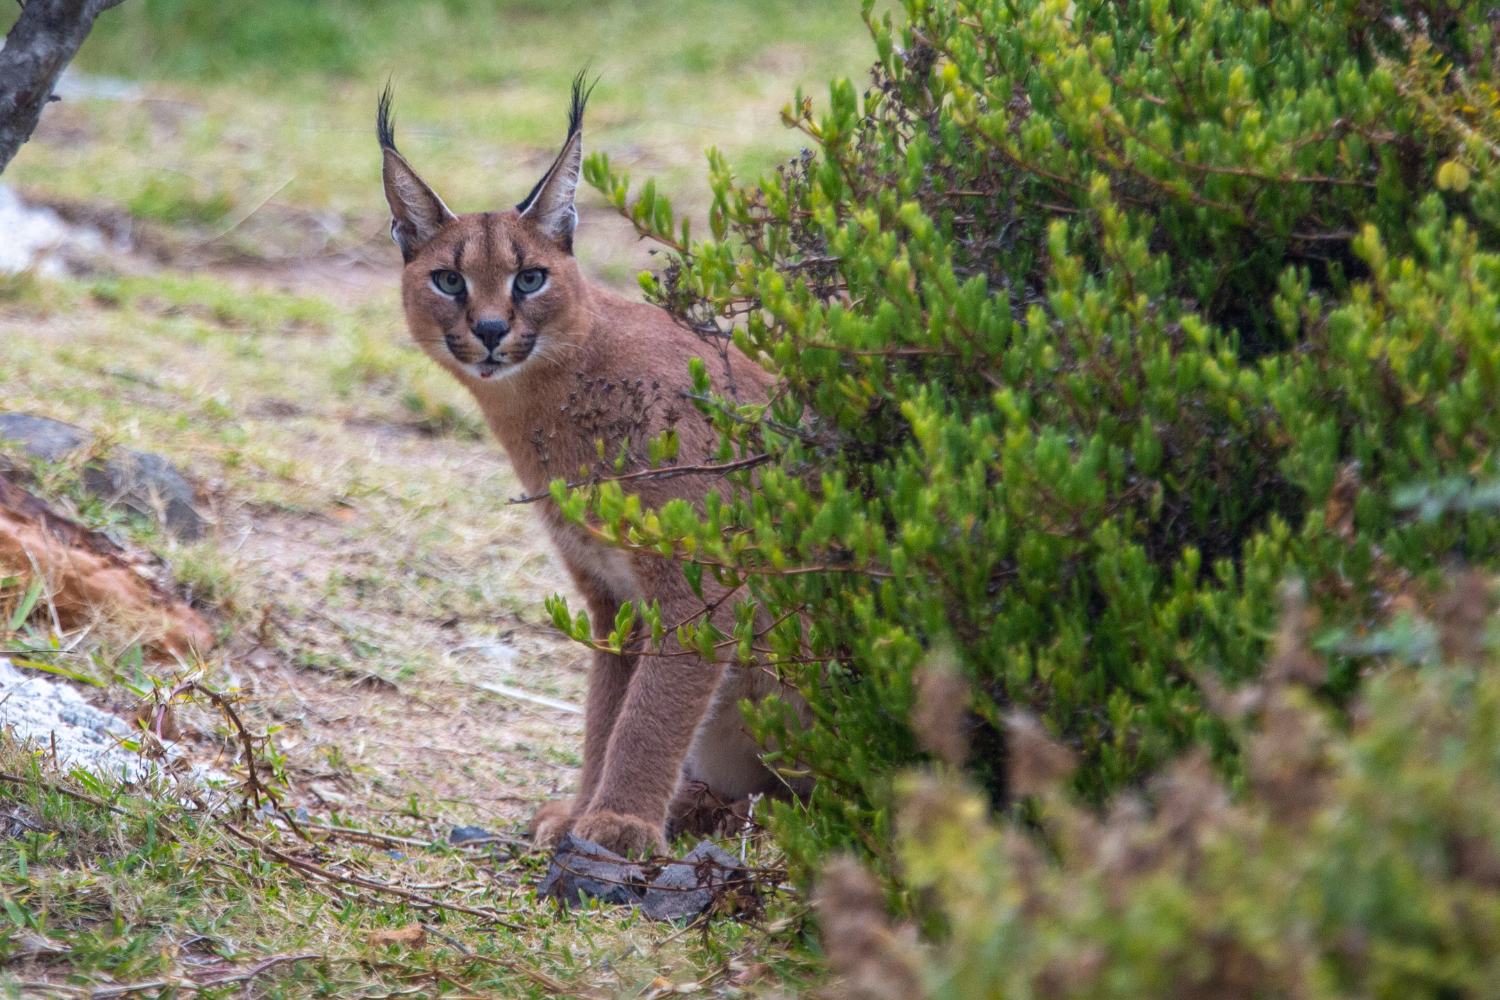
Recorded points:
(578, 364)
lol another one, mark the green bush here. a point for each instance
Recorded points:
(1096, 321)
(1356, 864)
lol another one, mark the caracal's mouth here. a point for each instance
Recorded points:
(492, 368)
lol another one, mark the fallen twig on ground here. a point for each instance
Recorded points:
(363, 883)
(176, 985)
(16, 779)
(540, 699)
(384, 838)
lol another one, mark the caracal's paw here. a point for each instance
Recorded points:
(551, 822)
(698, 812)
(623, 834)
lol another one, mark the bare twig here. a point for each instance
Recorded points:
(670, 472)
(494, 838)
(27, 782)
(363, 883)
(119, 991)
(383, 838)
(390, 838)
(256, 788)
(556, 986)
(161, 824)
(517, 693)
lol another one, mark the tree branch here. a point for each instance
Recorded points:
(41, 43)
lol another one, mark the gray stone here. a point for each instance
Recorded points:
(687, 888)
(149, 485)
(464, 834)
(48, 440)
(583, 868)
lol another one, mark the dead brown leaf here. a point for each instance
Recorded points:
(412, 936)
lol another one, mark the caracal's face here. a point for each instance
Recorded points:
(492, 294)
(489, 295)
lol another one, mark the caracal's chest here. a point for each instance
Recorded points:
(609, 568)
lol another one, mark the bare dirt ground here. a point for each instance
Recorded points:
(428, 738)
(366, 573)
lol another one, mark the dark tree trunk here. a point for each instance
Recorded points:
(39, 47)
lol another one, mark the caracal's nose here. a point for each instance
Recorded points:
(490, 332)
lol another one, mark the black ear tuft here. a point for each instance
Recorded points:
(575, 125)
(417, 213)
(580, 99)
(385, 128)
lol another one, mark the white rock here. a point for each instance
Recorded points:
(34, 235)
(42, 712)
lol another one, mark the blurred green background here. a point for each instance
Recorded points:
(249, 124)
(229, 301)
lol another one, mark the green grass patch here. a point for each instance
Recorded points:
(174, 199)
(133, 889)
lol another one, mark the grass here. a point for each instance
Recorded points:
(254, 125)
(363, 568)
(120, 893)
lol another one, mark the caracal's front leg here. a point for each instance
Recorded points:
(668, 696)
(609, 680)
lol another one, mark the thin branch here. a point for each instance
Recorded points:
(254, 784)
(379, 838)
(100, 803)
(97, 803)
(556, 986)
(98, 993)
(670, 472)
(363, 883)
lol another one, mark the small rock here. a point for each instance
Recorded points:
(688, 887)
(397, 855)
(583, 868)
(464, 834)
(48, 440)
(148, 484)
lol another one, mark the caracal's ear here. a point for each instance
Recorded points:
(417, 213)
(550, 203)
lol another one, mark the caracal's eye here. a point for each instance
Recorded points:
(449, 282)
(530, 280)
